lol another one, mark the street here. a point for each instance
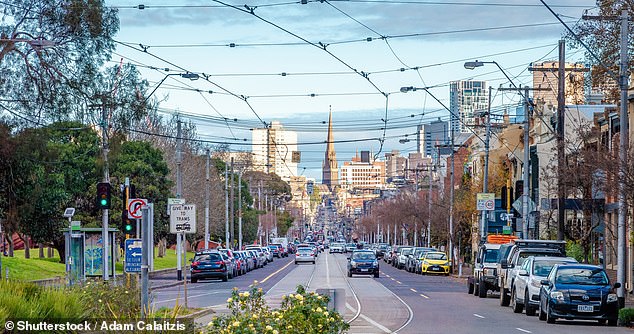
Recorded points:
(396, 302)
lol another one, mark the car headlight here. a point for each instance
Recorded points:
(536, 283)
(489, 272)
(375, 263)
(425, 263)
(353, 264)
(557, 295)
(612, 298)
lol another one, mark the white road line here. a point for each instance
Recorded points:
(422, 295)
(277, 271)
(399, 282)
(327, 273)
(366, 318)
(479, 316)
(413, 290)
(392, 278)
(523, 330)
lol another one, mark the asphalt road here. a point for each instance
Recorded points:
(396, 302)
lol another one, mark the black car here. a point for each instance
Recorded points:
(210, 264)
(578, 291)
(363, 262)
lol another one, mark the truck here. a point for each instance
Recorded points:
(508, 266)
(282, 241)
(484, 276)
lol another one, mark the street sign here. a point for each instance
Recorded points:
(174, 201)
(183, 218)
(134, 207)
(485, 201)
(133, 248)
(518, 205)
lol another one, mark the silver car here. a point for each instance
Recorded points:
(336, 247)
(262, 261)
(304, 254)
(525, 289)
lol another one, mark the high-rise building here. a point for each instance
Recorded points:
(275, 151)
(396, 165)
(428, 135)
(361, 173)
(330, 169)
(545, 76)
(467, 98)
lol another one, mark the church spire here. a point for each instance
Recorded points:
(330, 169)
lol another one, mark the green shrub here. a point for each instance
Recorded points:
(302, 312)
(626, 316)
(575, 251)
(24, 300)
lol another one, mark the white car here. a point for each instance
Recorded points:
(336, 247)
(304, 254)
(525, 289)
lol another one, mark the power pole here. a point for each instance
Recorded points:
(485, 179)
(179, 191)
(226, 206)
(429, 208)
(240, 210)
(561, 148)
(231, 213)
(106, 178)
(207, 201)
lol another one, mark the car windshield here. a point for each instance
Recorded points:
(436, 256)
(542, 268)
(491, 256)
(581, 276)
(406, 251)
(304, 250)
(363, 256)
(350, 245)
(207, 257)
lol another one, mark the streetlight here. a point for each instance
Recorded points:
(473, 64)
(188, 75)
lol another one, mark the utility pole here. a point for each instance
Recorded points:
(485, 179)
(561, 148)
(451, 191)
(429, 208)
(106, 178)
(179, 194)
(623, 148)
(207, 201)
(232, 220)
(240, 210)
(226, 206)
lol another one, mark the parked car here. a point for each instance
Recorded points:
(414, 259)
(336, 247)
(274, 250)
(403, 256)
(525, 290)
(305, 254)
(380, 250)
(262, 261)
(435, 263)
(363, 262)
(233, 270)
(521, 250)
(210, 264)
(249, 260)
(282, 252)
(484, 272)
(268, 253)
(578, 291)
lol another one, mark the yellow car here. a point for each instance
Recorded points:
(435, 263)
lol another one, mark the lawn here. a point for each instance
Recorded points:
(36, 268)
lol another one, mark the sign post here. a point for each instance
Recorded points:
(183, 221)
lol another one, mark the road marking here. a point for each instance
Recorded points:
(276, 272)
(190, 297)
(479, 316)
(399, 282)
(392, 278)
(386, 275)
(327, 273)
(422, 295)
(366, 318)
(413, 290)
(523, 330)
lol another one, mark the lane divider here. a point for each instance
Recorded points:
(422, 295)
(276, 272)
(478, 316)
(413, 290)
(523, 330)
(399, 282)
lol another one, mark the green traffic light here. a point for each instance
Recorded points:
(128, 227)
(104, 202)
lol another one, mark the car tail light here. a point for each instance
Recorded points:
(194, 264)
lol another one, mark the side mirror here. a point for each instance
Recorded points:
(545, 282)
(523, 272)
(617, 285)
(348, 258)
(504, 264)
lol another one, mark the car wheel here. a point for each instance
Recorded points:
(225, 278)
(376, 274)
(517, 307)
(194, 280)
(612, 322)
(313, 262)
(295, 262)
(482, 289)
(601, 321)
(505, 299)
(549, 318)
(349, 273)
(542, 315)
(470, 287)
(476, 289)
(530, 310)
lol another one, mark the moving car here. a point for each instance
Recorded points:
(350, 247)
(336, 247)
(305, 254)
(435, 263)
(578, 291)
(525, 290)
(363, 262)
(210, 264)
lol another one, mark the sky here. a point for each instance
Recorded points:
(271, 60)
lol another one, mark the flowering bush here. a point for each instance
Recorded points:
(301, 312)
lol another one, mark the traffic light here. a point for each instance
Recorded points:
(506, 202)
(103, 195)
(128, 224)
(519, 189)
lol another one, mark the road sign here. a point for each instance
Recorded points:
(183, 218)
(506, 216)
(518, 205)
(133, 249)
(485, 201)
(174, 201)
(134, 207)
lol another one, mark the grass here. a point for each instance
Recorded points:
(36, 268)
